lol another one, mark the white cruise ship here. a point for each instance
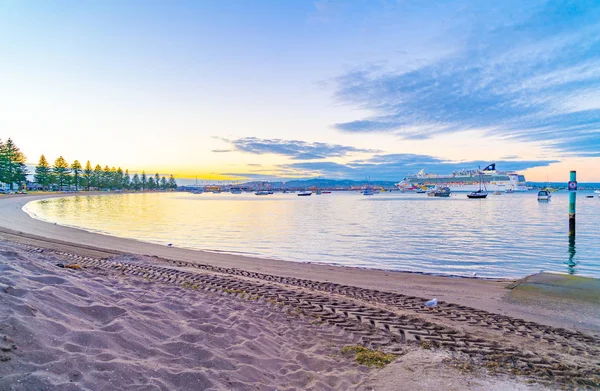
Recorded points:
(466, 180)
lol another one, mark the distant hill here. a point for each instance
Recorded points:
(320, 183)
(563, 185)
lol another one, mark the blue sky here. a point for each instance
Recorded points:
(305, 88)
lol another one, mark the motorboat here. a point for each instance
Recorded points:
(509, 191)
(368, 192)
(236, 191)
(262, 192)
(544, 195)
(304, 193)
(440, 192)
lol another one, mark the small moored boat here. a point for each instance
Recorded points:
(368, 192)
(304, 193)
(544, 195)
(482, 192)
(440, 192)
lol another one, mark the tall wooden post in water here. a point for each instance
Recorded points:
(572, 201)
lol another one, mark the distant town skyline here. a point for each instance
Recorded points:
(264, 89)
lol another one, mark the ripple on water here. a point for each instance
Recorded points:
(503, 236)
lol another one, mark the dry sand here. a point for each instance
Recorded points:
(137, 322)
(64, 329)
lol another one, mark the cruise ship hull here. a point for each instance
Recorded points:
(467, 181)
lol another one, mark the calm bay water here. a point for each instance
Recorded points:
(509, 235)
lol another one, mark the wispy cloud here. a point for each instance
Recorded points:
(221, 150)
(535, 78)
(298, 150)
(397, 166)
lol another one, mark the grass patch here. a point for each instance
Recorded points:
(233, 291)
(189, 285)
(430, 345)
(369, 357)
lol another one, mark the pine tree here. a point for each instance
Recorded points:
(163, 183)
(113, 178)
(126, 180)
(97, 177)
(12, 164)
(144, 180)
(157, 180)
(87, 174)
(151, 185)
(61, 171)
(135, 182)
(76, 169)
(119, 179)
(172, 182)
(43, 172)
(106, 177)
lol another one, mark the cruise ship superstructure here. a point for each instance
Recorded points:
(466, 180)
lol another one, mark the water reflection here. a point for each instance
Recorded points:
(571, 263)
(503, 236)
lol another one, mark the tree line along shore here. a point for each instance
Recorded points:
(61, 175)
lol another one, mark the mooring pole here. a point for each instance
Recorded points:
(572, 201)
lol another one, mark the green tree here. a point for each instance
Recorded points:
(163, 183)
(61, 171)
(87, 174)
(76, 169)
(151, 185)
(126, 180)
(156, 180)
(119, 179)
(97, 176)
(12, 164)
(172, 183)
(136, 184)
(106, 177)
(43, 172)
(144, 180)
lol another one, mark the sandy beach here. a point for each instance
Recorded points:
(134, 315)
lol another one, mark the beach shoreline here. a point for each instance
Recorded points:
(484, 294)
(373, 308)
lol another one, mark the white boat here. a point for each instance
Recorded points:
(544, 195)
(467, 180)
(368, 191)
(262, 192)
(304, 193)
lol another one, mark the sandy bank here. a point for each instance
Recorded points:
(486, 295)
(107, 329)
